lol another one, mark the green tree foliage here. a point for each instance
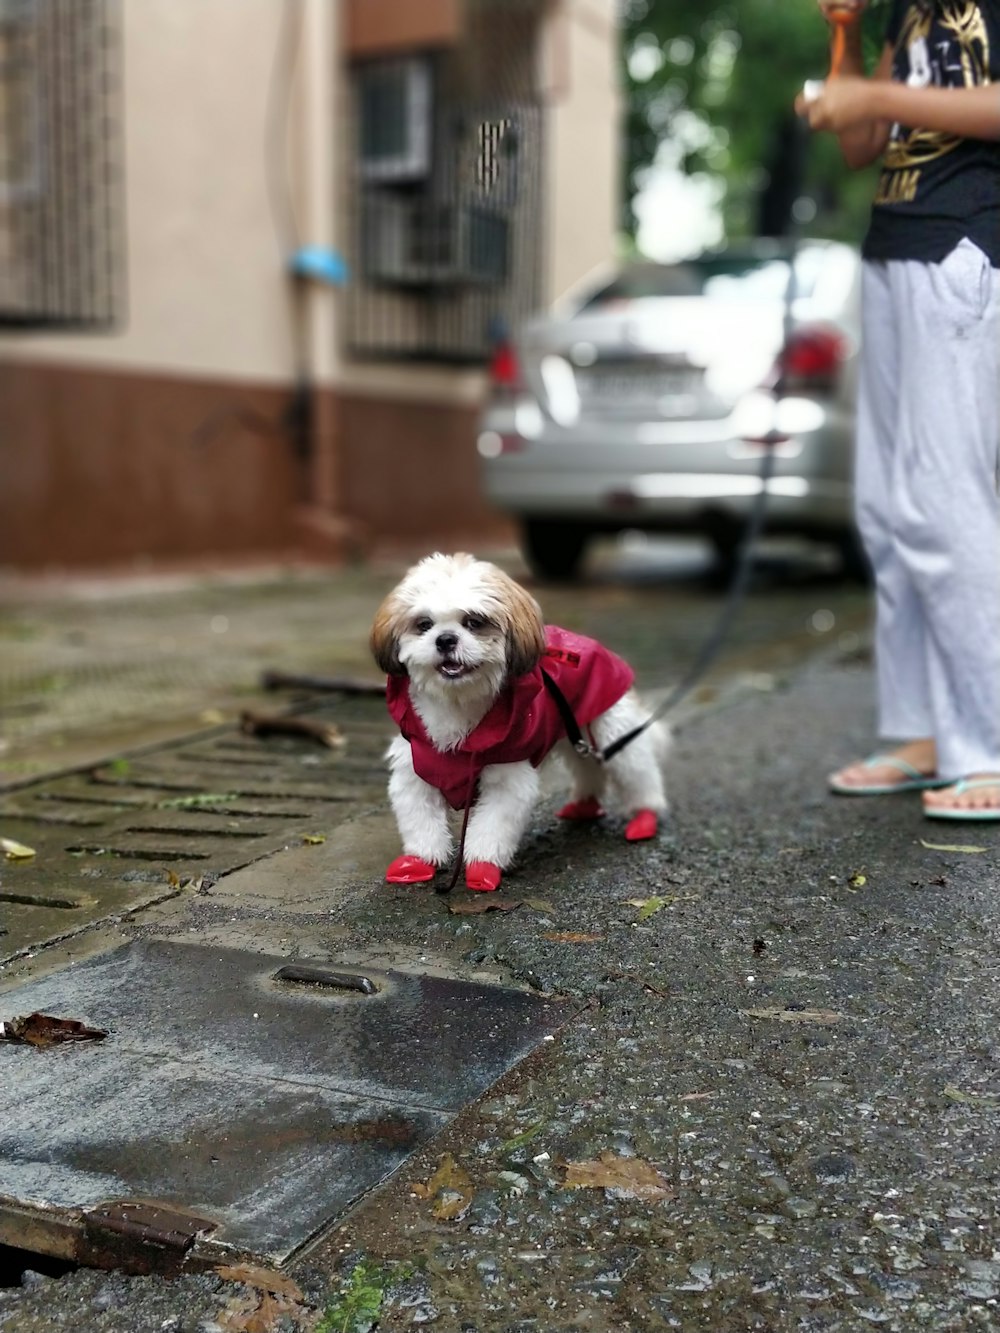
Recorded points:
(710, 86)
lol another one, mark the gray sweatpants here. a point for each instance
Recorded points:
(928, 470)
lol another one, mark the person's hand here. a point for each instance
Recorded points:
(838, 105)
(842, 11)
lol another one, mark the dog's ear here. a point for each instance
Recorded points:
(525, 630)
(384, 640)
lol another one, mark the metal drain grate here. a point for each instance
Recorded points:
(129, 832)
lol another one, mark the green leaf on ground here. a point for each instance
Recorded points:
(192, 802)
(519, 1140)
(647, 906)
(972, 1098)
(952, 847)
(16, 851)
(356, 1307)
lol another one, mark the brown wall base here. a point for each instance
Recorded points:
(101, 468)
(411, 474)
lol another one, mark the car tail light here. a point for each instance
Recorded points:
(505, 368)
(811, 359)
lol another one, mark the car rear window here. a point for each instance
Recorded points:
(722, 277)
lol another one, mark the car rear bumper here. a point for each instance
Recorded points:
(672, 475)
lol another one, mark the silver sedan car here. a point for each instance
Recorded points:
(644, 403)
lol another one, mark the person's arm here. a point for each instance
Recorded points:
(846, 105)
(971, 113)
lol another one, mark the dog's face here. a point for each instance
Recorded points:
(457, 623)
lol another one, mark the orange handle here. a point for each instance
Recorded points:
(840, 22)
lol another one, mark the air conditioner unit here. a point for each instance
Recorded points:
(416, 242)
(396, 118)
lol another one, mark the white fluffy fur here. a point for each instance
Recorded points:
(466, 616)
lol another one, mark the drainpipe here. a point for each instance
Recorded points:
(316, 273)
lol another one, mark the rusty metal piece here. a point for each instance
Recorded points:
(286, 680)
(324, 976)
(140, 1236)
(46, 1030)
(265, 724)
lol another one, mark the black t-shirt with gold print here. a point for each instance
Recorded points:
(936, 188)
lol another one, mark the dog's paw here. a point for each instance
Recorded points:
(410, 870)
(642, 826)
(582, 811)
(483, 876)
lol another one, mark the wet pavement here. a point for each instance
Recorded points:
(776, 1101)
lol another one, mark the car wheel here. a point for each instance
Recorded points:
(554, 548)
(854, 563)
(725, 557)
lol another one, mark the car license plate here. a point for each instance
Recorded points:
(646, 382)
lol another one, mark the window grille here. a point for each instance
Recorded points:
(446, 192)
(59, 168)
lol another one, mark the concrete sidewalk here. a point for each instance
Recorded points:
(773, 1104)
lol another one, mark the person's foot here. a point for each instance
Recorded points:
(975, 797)
(909, 767)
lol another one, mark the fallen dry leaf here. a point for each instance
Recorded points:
(571, 937)
(622, 1177)
(16, 851)
(260, 1314)
(450, 1188)
(483, 902)
(795, 1015)
(44, 1030)
(857, 880)
(264, 1279)
(313, 839)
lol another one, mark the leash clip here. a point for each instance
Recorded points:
(583, 747)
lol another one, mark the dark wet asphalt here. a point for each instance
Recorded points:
(801, 1041)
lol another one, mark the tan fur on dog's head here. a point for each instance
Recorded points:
(457, 596)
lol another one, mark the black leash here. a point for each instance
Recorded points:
(710, 649)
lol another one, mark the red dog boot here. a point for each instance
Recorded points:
(483, 876)
(582, 811)
(410, 870)
(641, 826)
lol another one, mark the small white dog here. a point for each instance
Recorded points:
(464, 648)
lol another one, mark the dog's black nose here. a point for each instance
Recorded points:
(446, 643)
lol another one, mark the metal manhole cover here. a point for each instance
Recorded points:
(263, 1106)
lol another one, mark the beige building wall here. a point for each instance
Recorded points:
(208, 293)
(207, 290)
(171, 437)
(584, 140)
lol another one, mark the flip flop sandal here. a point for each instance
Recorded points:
(913, 779)
(967, 784)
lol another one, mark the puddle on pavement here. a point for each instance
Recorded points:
(253, 1107)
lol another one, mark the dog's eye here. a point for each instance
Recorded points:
(475, 622)
(423, 624)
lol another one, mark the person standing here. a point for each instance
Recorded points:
(928, 432)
